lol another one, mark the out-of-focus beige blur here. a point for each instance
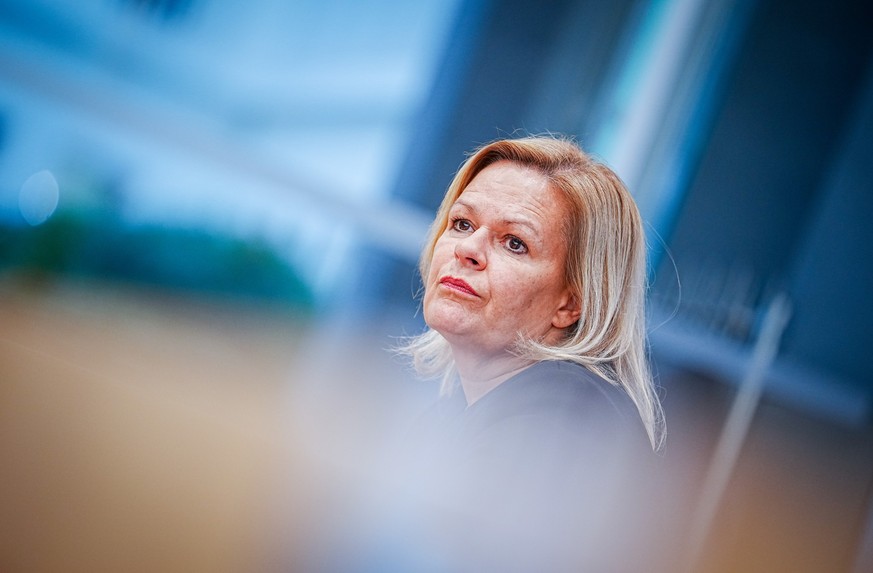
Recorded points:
(137, 432)
(148, 430)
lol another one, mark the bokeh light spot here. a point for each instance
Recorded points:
(38, 197)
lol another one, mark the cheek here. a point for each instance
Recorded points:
(442, 253)
(514, 293)
(525, 294)
(437, 262)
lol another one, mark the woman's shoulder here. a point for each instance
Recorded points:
(567, 381)
(557, 393)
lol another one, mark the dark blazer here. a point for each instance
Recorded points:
(546, 472)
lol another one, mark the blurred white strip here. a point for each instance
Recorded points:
(736, 428)
(662, 71)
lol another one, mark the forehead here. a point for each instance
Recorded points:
(512, 188)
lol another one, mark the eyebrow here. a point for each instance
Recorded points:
(518, 222)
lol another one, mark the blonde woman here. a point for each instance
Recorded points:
(534, 279)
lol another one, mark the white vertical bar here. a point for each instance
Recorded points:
(736, 428)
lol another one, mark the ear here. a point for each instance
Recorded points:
(568, 312)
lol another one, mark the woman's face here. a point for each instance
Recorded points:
(498, 267)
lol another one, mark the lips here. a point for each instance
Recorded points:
(458, 285)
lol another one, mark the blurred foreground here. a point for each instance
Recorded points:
(142, 431)
(138, 434)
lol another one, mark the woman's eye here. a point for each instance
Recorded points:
(516, 245)
(461, 225)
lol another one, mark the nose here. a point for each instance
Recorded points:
(470, 250)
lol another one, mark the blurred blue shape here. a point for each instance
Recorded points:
(271, 125)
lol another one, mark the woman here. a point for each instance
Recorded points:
(534, 291)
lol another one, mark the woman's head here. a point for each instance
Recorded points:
(580, 204)
(496, 272)
(604, 265)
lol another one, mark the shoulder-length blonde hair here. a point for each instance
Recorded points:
(606, 271)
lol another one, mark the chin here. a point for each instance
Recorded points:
(449, 329)
(445, 319)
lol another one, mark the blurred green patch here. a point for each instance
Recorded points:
(72, 244)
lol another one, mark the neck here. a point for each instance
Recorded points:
(480, 376)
